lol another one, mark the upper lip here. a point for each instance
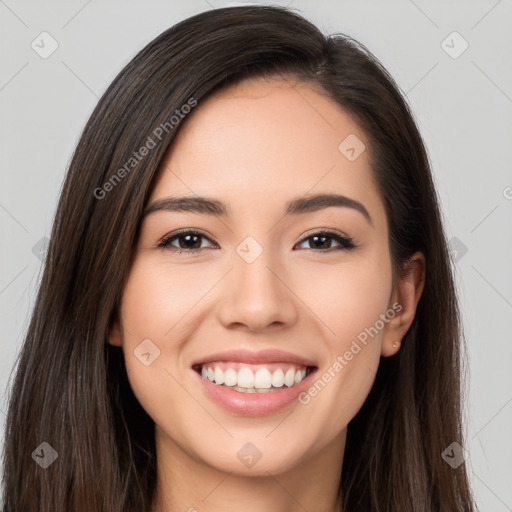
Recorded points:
(250, 357)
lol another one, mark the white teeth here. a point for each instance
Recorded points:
(289, 377)
(278, 378)
(253, 390)
(219, 376)
(261, 380)
(300, 375)
(230, 377)
(245, 378)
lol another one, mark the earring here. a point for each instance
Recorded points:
(396, 344)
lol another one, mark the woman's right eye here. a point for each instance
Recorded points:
(187, 241)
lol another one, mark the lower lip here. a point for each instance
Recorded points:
(254, 404)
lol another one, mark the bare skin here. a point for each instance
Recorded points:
(255, 147)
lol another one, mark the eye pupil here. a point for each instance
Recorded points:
(316, 237)
(187, 245)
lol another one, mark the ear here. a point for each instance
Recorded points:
(406, 295)
(114, 337)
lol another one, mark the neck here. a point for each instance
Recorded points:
(188, 484)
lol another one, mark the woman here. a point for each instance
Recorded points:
(247, 301)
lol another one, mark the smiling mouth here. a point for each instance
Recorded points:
(252, 378)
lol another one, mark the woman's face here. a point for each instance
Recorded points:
(266, 300)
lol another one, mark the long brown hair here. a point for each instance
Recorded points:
(71, 389)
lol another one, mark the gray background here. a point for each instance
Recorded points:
(463, 106)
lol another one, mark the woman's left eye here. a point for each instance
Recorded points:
(190, 241)
(322, 238)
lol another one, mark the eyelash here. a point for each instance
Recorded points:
(346, 243)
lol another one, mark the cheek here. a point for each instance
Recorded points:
(353, 298)
(157, 297)
(348, 298)
(149, 310)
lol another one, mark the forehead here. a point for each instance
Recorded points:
(263, 139)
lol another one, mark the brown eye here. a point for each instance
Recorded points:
(188, 241)
(322, 241)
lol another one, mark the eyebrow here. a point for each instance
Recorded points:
(299, 205)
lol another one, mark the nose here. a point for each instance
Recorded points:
(257, 295)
